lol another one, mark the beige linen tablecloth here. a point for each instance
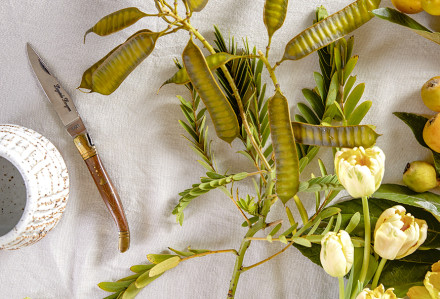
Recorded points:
(139, 138)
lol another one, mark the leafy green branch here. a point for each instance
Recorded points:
(128, 287)
(197, 130)
(212, 181)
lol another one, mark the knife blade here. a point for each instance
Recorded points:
(64, 107)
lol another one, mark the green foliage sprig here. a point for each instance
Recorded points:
(241, 93)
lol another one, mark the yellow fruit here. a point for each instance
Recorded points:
(431, 94)
(431, 6)
(420, 176)
(431, 133)
(408, 6)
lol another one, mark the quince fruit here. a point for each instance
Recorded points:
(408, 6)
(431, 94)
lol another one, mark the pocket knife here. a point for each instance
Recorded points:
(71, 120)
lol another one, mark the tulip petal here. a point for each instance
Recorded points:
(418, 293)
(432, 284)
(388, 241)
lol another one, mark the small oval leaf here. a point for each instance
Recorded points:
(159, 258)
(114, 286)
(165, 266)
(144, 280)
(131, 292)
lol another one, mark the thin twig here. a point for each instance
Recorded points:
(209, 252)
(324, 203)
(274, 223)
(244, 269)
(241, 211)
(265, 239)
(257, 172)
(166, 4)
(270, 69)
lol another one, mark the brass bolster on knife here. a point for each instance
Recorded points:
(124, 241)
(82, 143)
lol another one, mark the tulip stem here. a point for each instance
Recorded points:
(341, 287)
(378, 272)
(366, 261)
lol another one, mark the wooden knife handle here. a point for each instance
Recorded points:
(105, 186)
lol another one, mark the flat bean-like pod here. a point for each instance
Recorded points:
(274, 15)
(214, 61)
(86, 81)
(121, 61)
(222, 115)
(283, 142)
(334, 136)
(116, 21)
(196, 5)
(330, 29)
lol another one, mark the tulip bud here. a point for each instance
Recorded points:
(360, 170)
(398, 234)
(337, 253)
(377, 293)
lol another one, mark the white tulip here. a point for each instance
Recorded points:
(360, 170)
(337, 253)
(398, 234)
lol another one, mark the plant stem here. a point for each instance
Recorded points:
(244, 269)
(209, 252)
(324, 203)
(341, 287)
(268, 46)
(378, 272)
(238, 207)
(245, 243)
(270, 70)
(366, 261)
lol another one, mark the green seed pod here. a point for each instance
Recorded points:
(121, 61)
(339, 136)
(116, 21)
(283, 142)
(274, 15)
(330, 29)
(420, 176)
(222, 115)
(196, 5)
